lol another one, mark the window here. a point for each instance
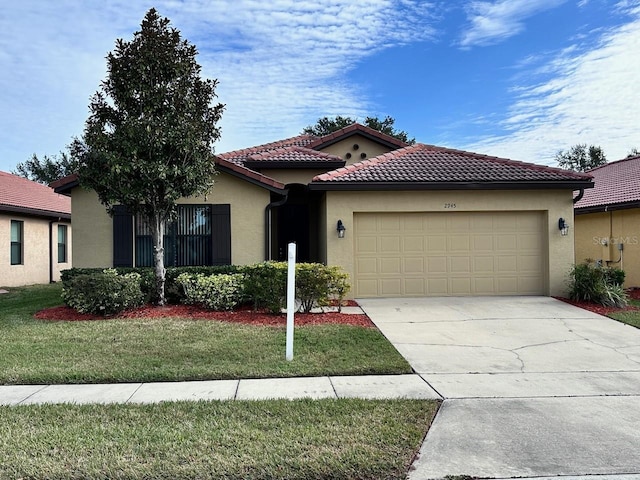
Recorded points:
(17, 240)
(62, 244)
(187, 240)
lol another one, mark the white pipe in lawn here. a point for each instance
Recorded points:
(291, 298)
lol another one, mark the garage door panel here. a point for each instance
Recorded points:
(390, 266)
(460, 265)
(484, 265)
(461, 253)
(414, 286)
(436, 244)
(366, 244)
(413, 244)
(389, 244)
(412, 265)
(436, 265)
(366, 265)
(484, 286)
(459, 243)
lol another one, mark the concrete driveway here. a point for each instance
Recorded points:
(532, 386)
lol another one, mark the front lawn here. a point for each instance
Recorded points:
(174, 349)
(629, 316)
(303, 439)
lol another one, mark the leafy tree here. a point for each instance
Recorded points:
(149, 138)
(47, 170)
(580, 158)
(326, 125)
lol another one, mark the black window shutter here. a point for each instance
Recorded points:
(221, 234)
(122, 237)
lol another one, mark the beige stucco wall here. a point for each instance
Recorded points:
(597, 236)
(556, 204)
(93, 231)
(36, 254)
(94, 228)
(248, 204)
(369, 147)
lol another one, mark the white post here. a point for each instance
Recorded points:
(291, 298)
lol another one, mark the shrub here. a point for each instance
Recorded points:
(217, 292)
(593, 283)
(316, 285)
(265, 285)
(104, 293)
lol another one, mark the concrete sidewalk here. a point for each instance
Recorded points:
(368, 387)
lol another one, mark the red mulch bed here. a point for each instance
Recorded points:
(249, 317)
(602, 310)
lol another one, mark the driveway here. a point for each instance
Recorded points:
(532, 386)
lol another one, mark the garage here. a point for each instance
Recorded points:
(449, 254)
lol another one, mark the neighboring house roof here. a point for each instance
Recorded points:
(19, 195)
(617, 185)
(427, 166)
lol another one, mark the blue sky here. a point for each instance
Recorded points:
(514, 78)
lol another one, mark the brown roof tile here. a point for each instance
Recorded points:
(295, 155)
(422, 163)
(19, 194)
(615, 183)
(240, 156)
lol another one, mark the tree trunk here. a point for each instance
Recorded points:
(157, 232)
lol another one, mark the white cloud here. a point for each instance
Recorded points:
(281, 64)
(591, 97)
(492, 22)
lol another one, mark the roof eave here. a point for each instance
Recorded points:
(395, 186)
(34, 212)
(65, 184)
(266, 164)
(275, 186)
(607, 207)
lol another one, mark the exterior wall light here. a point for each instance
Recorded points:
(563, 226)
(341, 228)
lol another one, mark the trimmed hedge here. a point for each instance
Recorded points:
(173, 292)
(263, 284)
(217, 292)
(104, 292)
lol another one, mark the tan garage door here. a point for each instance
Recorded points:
(431, 254)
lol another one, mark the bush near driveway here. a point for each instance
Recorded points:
(590, 282)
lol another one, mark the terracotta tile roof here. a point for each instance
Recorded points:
(422, 163)
(249, 174)
(292, 155)
(352, 130)
(615, 183)
(17, 194)
(239, 156)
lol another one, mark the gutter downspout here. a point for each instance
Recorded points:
(267, 224)
(579, 197)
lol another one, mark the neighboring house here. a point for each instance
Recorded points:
(35, 232)
(419, 220)
(607, 219)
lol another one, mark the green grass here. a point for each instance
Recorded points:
(303, 439)
(144, 350)
(630, 317)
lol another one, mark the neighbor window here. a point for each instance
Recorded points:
(187, 240)
(17, 240)
(62, 244)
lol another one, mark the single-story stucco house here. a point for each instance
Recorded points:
(35, 232)
(417, 219)
(607, 219)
